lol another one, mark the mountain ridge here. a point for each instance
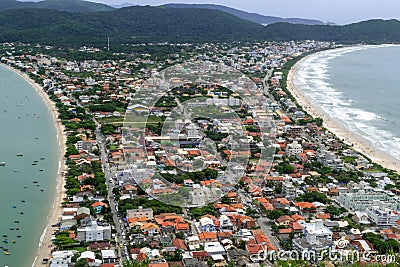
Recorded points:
(60, 5)
(140, 24)
(254, 17)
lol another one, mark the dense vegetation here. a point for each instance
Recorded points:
(254, 17)
(138, 24)
(62, 5)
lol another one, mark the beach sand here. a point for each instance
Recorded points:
(46, 245)
(359, 144)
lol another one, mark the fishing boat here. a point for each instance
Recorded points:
(18, 236)
(16, 171)
(22, 200)
(21, 213)
(6, 252)
(5, 241)
(35, 182)
(2, 163)
(42, 158)
(13, 241)
(33, 163)
(14, 207)
(20, 154)
(4, 235)
(16, 221)
(41, 170)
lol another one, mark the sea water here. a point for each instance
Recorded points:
(26, 192)
(358, 87)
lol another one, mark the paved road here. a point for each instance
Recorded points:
(266, 227)
(113, 204)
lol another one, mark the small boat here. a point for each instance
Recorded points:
(18, 236)
(17, 229)
(13, 241)
(21, 213)
(25, 187)
(12, 229)
(14, 207)
(20, 154)
(5, 241)
(42, 190)
(35, 182)
(23, 201)
(16, 221)
(6, 252)
(4, 235)
(35, 161)
(2, 163)
(41, 170)
(16, 171)
(34, 164)
(42, 158)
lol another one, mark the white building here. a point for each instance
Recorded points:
(383, 217)
(193, 131)
(316, 229)
(361, 199)
(94, 232)
(294, 149)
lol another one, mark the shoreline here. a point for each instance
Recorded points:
(359, 144)
(45, 244)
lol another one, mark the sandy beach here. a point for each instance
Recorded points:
(54, 215)
(359, 144)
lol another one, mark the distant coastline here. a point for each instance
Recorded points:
(350, 138)
(45, 245)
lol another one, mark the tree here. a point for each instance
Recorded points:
(135, 263)
(274, 214)
(82, 263)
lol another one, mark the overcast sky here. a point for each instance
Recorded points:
(338, 11)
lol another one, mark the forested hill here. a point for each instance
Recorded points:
(254, 17)
(159, 24)
(61, 5)
(131, 24)
(370, 31)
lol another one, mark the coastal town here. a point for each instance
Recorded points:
(202, 156)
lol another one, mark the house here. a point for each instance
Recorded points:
(200, 255)
(214, 248)
(108, 256)
(193, 242)
(98, 206)
(305, 208)
(284, 220)
(82, 213)
(284, 234)
(208, 237)
(150, 229)
(361, 217)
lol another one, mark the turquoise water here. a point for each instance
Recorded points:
(26, 127)
(360, 88)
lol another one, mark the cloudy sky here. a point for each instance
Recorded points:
(338, 11)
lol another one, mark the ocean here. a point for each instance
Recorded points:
(358, 87)
(27, 182)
